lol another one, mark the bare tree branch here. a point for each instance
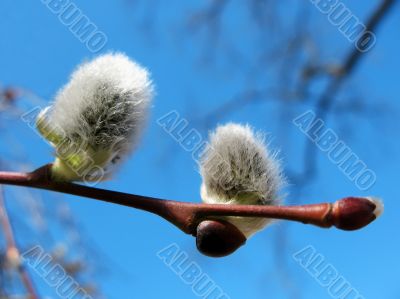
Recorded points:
(12, 248)
(186, 216)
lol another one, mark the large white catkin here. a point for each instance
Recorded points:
(237, 168)
(103, 107)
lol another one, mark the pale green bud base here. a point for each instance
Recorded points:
(77, 165)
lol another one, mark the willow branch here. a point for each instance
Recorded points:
(348, 214)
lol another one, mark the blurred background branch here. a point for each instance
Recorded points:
(273, 54)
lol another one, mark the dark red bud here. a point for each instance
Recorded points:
(353, 213)
(218, 238)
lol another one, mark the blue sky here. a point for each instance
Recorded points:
(38, 53)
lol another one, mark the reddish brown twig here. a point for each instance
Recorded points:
(12, 249)
(348, 214)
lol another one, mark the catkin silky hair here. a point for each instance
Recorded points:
(238, 168)
(97, 117)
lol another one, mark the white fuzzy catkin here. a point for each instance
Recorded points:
(237, 168)
(101, 110)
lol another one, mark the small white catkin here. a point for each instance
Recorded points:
(101, 110)
(237, 168)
